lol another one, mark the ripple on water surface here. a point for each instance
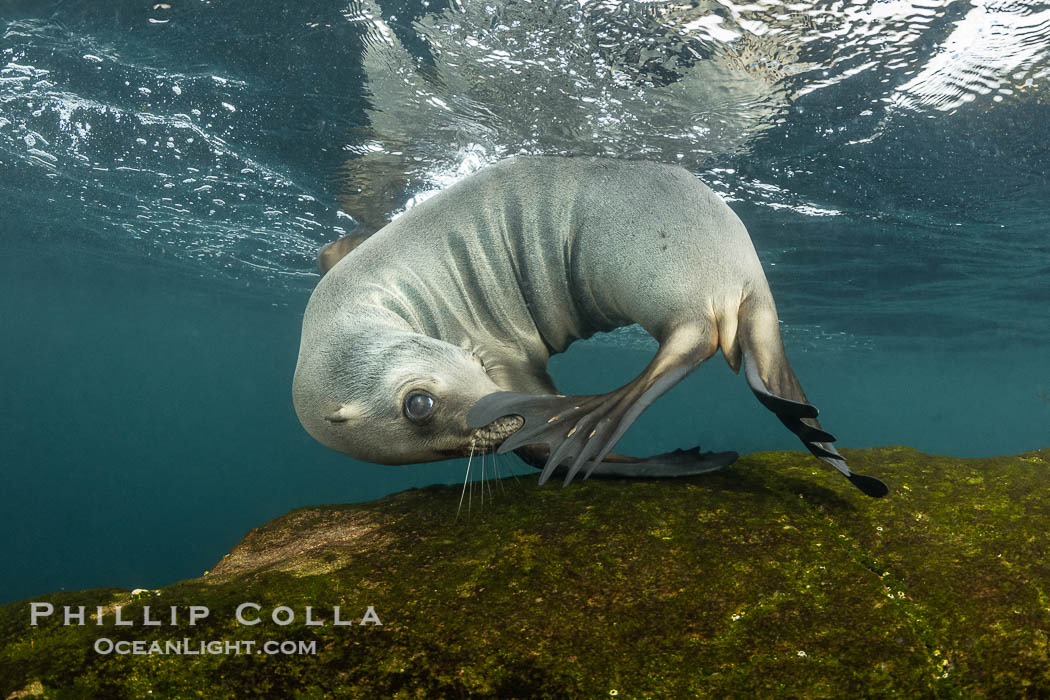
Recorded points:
(882, 153)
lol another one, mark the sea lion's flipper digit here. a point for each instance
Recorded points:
(563, 423)
(805, 432)
(869, 485)
(544, 416)
(584, 429)
(578, 429)
(632, 410)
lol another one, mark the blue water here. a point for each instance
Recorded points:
(167, 174)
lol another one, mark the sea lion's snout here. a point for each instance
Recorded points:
(493, 434)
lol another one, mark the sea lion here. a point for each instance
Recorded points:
(430, 339)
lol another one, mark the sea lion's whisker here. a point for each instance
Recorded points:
(493, 475)
(513, 471)
(495, 467)
(465, 477)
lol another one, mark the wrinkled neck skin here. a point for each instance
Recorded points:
(473, 266)
(519, 260)
(515, 263)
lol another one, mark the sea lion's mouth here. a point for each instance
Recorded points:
(491, 435)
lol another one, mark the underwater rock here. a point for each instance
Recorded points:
(768, 579)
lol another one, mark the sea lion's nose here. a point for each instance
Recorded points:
(340, 415)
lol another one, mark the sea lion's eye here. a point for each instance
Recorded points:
(418, 406)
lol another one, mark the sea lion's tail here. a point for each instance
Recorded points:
(774, 383)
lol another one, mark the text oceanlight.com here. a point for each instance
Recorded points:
(189, 647)
(246, 614)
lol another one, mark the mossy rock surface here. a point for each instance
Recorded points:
(774, 578)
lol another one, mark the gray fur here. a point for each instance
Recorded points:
(510, 266)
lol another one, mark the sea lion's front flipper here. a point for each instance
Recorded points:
(582, 429)
(800, 417)
(546, 420)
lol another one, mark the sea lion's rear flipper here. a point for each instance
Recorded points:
(800, 417)
(670, 465)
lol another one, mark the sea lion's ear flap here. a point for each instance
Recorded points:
(337, 250)
(344, 413)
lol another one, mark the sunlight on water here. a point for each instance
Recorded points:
(692, 83)
(903, 126)
(996, 48)
(145, 155)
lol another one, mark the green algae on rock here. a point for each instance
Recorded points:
(768, 579)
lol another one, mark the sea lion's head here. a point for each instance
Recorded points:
(394, 397)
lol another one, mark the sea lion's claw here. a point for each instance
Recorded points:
(591, 446)
(575, 428)
(546, 418)
(577, 444)
(568, 448)
(607, 418)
